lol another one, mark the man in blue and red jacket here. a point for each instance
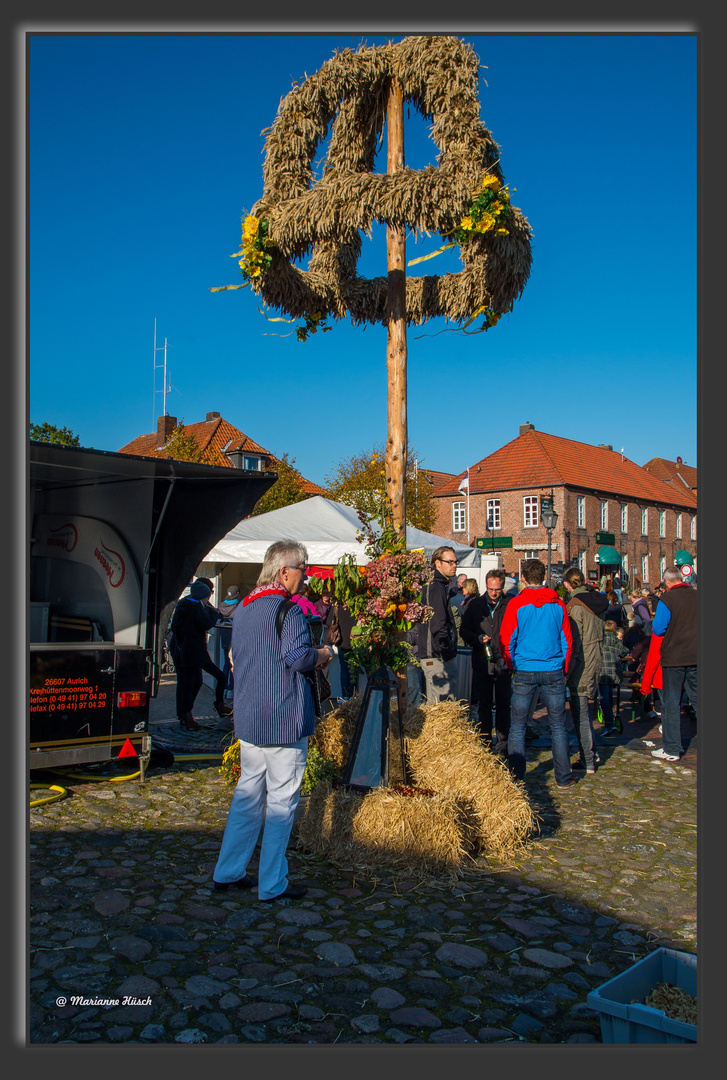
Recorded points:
(536, 642)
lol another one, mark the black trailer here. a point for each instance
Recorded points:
(114, 541)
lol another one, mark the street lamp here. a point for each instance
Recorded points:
(549, 519)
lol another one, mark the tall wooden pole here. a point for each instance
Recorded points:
(396, 442)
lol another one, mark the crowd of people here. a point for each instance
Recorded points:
(528, 645)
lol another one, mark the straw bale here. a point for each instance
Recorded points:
(334, 732)
(324, 217)
(447, 753)
(383, 829)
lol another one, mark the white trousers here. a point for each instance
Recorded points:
(270, 779)
(440, 678)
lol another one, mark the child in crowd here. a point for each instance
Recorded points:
(614, 652)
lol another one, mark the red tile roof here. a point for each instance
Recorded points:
(215, 436)
(673, 472)
(536, 459)
(439, 479)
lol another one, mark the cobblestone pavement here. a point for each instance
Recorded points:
(122, 909)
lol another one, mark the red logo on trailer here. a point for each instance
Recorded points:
(65, 536)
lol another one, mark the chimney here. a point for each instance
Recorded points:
(165, 426)
(526, 427)
(604, 446)
(212, 416)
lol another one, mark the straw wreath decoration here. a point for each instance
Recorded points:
(462, 198)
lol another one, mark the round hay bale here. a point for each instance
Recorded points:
(385, 830)
(447, 753)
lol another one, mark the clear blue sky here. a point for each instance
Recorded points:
(145, 152)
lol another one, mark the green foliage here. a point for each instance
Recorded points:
(360, 481)
(184, 447)
(287, 489)
(317, 768)
(59, 436)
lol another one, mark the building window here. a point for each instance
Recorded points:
(459, 517)
(530, 511)
(493, 514)
(624, 517)
(678, 527)
(693, 528)
(582, 562)
(581, 511)
(535, 554)
(644, 568)
(645, 522)
(662, 523)
(253, 463)
(604, 514)
(624, 564)
(662, 567)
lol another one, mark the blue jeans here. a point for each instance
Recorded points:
(552, 694)
(671, 694)
(581, 716)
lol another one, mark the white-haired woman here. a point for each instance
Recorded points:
(274, 715)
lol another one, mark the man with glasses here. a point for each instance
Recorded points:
(437, 639)
(274, 715)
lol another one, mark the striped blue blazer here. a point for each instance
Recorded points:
(273, 701)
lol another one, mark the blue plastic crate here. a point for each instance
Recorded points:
(625, 1022)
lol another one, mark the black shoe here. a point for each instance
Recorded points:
(221, 709)
(247, 882)
(293, 892)
(186, 720)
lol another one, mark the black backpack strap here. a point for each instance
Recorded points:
(280, 616)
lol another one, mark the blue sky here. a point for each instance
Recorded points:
(145, 152)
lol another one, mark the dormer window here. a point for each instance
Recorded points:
(252, 463)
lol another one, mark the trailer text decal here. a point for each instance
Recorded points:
(67, 694)
(112, 564)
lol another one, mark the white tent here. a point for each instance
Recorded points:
(328, 530)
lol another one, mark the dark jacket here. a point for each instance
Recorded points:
(346, 623)
(438, 637)
(676, 622)
(477, 620)
(227, 610)
(641, 610)
(190, 622)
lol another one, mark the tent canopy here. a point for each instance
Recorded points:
(608, 556)
(328, 530)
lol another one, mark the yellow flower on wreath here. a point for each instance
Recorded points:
(467, 223)
(490, 181)
(485, 223)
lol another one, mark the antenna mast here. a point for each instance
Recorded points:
(166, 386)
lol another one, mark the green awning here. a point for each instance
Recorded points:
(608, 556)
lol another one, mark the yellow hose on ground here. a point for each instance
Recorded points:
(60, 792)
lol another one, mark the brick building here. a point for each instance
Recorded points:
(651, 512)
(222, 443)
